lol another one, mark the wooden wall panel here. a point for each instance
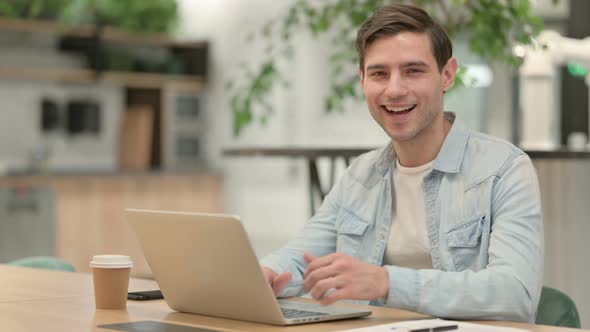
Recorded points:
(89, 210)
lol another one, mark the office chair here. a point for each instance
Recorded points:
(557, 309)
(44, 262)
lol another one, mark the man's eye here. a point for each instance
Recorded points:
(415, 71)
(378, 73)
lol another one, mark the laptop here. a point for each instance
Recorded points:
(204, 264)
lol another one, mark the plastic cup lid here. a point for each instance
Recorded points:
(111, 261)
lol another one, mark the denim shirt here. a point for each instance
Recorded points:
(483, 215)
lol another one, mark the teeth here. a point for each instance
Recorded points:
(398, 109)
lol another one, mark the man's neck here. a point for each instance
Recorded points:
(423, 148)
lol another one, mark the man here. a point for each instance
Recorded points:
(444, 220)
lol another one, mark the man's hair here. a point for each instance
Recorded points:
(397, 18)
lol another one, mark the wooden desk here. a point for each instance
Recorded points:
(40, 300)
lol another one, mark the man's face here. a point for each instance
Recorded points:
(403, 85)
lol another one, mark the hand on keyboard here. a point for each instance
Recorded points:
(277, 281)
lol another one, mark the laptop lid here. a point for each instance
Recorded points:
(204, 264)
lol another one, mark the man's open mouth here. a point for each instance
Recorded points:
(399, 110)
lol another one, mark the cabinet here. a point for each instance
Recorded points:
(152, 72)
(184, 130)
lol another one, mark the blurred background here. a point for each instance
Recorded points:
(249, 108)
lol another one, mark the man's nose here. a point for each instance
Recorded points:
(396, 87)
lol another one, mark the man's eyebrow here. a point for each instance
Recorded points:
(376, 66)
(414, 64)
(403, 65)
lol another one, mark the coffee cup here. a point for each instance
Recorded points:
(111, 280)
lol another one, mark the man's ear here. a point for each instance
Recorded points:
(362, 80)
(448, 74)
(361, 76)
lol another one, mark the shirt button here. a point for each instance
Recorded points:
(382, 237)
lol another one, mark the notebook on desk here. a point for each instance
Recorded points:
(205, 265)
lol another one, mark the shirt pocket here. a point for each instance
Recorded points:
(350, 233)
(464, 241)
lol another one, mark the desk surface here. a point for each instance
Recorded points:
(40, 300)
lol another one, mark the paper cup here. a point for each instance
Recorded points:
(111, 280)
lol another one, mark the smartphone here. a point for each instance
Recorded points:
(145, 295)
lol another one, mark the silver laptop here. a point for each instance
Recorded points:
(204, 264)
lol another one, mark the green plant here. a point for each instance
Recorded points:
(134, 15)
(493, 27)
(37, 9)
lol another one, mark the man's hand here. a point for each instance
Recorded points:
(346, 277)
(276, 281)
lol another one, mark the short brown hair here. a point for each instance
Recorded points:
(397, 18)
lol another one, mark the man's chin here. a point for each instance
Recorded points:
(400, 137)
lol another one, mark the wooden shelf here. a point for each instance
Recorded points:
(48, 74)
(152, 80)
(151, 39)
(40, 26)
(132, 80)
(119, 35)
(106, 34)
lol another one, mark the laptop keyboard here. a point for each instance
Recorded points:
(296, 313)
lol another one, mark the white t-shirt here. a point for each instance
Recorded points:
(408, 244)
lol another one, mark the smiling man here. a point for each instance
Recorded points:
(444, 220)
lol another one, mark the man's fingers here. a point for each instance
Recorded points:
(318, 262)
(326, 286)
(308, 257)
(335, 295)
(282, 278)
(318, 275)
(268, 274)
(280, 282)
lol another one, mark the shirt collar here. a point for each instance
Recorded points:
(385, 160)
(450, 156)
